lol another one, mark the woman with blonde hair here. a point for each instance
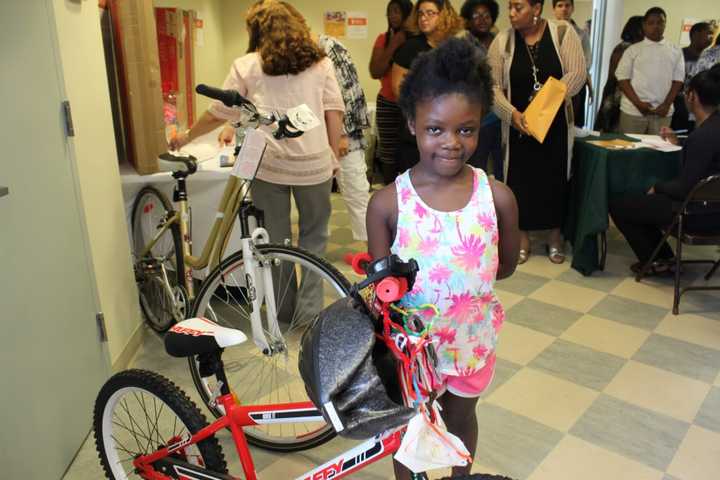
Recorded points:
(430, 23)
(284, 68)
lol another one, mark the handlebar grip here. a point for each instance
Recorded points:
(229, 98)
(358, 261)
(391, 289)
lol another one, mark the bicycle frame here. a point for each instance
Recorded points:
(238, 416)
(219, 234)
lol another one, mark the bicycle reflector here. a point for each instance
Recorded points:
(337, 361)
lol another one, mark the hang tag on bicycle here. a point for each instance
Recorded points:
(302, 118)
(251, 152)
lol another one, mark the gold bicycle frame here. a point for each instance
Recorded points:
(219, 234)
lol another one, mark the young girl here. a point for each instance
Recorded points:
(460, 226)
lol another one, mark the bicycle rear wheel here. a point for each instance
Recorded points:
(136, 413)
(304, 284)
(158, 273)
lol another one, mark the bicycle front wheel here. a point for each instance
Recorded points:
(303, 284)
(138, 412)
(159, 272)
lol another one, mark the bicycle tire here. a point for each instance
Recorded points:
(245, 364)
(156, 304)
(133, 391)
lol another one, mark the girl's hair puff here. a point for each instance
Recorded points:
(281, 38)
(456, 66)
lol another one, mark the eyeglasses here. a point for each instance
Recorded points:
(481, 16)
(428, 13)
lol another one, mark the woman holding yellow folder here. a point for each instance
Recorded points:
(522, 59)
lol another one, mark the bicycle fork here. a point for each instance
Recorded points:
(260, 289)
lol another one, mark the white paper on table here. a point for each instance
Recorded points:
(655, 142)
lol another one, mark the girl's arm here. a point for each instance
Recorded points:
(506, 210)
(381, 221)
(382, 56)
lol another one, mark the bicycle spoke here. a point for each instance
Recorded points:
(130, 417)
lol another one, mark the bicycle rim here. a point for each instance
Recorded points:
(303, 284)
(157, 272)
(135, 421)
(150, 209)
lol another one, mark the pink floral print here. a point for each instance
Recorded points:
(458, 257)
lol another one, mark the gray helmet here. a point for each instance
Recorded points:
(339, 360)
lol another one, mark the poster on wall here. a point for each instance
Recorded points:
(687, 24)
(335, 23)
(357, 25)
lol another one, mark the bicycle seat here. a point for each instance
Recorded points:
(177, 163)
(196, 336)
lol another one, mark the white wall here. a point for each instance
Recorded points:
(83, 62)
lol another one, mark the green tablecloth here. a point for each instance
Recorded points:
(599, 174)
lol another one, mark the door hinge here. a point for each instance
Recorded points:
(69, 128)
(102, 331)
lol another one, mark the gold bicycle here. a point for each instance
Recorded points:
(269, 291)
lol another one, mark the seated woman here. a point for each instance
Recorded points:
(641, 217)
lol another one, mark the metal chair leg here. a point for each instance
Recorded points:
(647, 264)
(712, 270)
(678, 262)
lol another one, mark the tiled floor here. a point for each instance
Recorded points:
(596, 379)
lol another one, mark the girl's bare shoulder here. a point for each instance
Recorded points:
(383, 202)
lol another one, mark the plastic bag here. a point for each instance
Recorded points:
(428, 446)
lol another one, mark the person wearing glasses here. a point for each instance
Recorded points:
(522, 58)
(430, 23)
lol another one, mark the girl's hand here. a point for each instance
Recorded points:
(518, 121)
(226, 136)
(397, 39)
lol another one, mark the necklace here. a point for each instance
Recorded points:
(532, 54)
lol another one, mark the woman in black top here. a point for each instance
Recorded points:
(431, 22)
(641, 217)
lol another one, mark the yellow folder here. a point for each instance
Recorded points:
(541, 112)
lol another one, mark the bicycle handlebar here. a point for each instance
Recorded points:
(230, 98)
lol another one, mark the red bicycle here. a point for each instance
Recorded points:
(146, 427)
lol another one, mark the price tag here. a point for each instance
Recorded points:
(251, 152)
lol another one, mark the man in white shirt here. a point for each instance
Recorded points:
(650, 75)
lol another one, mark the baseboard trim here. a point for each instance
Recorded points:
(133, 345)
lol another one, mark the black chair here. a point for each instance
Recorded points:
(688, 227)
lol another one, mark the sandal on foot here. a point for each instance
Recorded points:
(523, 256)
(660, 268)
(555, 254)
